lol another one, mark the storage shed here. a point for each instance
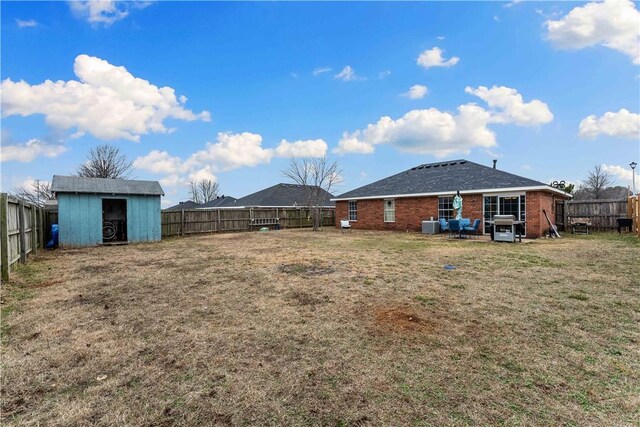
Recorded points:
(95, 211)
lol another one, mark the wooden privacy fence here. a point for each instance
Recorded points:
(603, 214)
(21, 231)
(179, 223)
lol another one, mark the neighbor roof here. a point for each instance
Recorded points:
(189, 204)
(218, 202)
(445, 177)
(283, 195)
(77, 184)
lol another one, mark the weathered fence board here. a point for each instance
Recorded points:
(177, 223)
(21, 224)
(603, 214)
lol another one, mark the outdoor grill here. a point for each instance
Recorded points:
(504, 228)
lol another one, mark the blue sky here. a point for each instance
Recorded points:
(544, 98)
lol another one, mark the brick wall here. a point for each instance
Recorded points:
(411, 211)
(537, 225)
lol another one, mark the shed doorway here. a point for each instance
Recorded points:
(114, 221)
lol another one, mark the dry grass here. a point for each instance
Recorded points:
(303, 328)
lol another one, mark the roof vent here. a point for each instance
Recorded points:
(427, 166)
(421, 167)
(462, 162)
(414, 168)
(452, 163)
(436, 165)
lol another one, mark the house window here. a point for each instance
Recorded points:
(445, 207)
(353, 211)
(389, 210)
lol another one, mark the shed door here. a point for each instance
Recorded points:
(114, 220)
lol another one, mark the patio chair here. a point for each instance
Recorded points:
(472, 229)
(344, 225)
(454, 227)
(444, 225)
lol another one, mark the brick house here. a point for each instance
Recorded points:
(403, 201)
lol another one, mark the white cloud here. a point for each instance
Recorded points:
(526, 167)
(306, 148)
(512, 107)
(612, 23)
(294, 75)
(441, 37)
(30, 150)
(30, 23)
(384, 74)
(496, 18)
(347, 74)
(440, 133)
(159, 162)
(321, 70)
(624, 174)
(416, 92)
(104, 12)
(433, 58)
(623, 124)
(512, 3)
(230, 151)
(107, 102)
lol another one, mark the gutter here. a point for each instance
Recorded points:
(448, 193)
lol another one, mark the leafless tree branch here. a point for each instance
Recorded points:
(105, 161)
(203, 190)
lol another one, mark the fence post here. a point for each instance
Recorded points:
(34, 232)
(300, 218)
(21, 229)
(4, 236)
(219, 222)
(41, 227)
(182, 222)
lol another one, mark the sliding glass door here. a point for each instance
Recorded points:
(504, 205)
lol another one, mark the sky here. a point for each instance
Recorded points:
(232, 90)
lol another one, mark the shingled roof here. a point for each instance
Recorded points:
(77, 184)
(283, 195)
(442, 178)
(189, 204)
(219, 202)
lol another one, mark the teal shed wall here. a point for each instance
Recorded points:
(80, 218)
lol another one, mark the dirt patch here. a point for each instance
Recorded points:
(308, 270)
(400, 319)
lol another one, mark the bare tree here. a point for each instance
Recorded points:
(203, 190)
(318, 176)
(37, 192)
(105, 161)
(597, 181)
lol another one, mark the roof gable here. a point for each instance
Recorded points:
(443, 177)
(78, 184)
(282, 195)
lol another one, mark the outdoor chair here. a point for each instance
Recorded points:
(344, 225)
(444, 226)
(454, 227)
(472, 229)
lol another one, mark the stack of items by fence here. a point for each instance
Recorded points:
(633, 212)
(21, 232)
(602, 215)
(180, 223)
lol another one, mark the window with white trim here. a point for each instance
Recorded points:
(445, 207)
(353, 210)
(389, 210)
